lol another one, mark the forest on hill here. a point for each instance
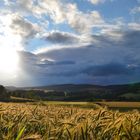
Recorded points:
(71, 92)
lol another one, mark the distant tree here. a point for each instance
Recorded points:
(3, 93)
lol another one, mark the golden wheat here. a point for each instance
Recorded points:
(52, 122)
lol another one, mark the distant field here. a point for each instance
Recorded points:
(54, 121)
(112, 105)
(109, 104)
(121, 106)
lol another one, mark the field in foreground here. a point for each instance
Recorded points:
(52, 122)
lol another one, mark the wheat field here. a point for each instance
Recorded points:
(20, 121)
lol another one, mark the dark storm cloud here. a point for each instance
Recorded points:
(109, 70)
(47, 63)
(33, 64)
(27, 57)
(131, 39)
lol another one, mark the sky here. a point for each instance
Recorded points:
(46, 42)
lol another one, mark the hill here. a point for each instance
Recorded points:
(80, 92)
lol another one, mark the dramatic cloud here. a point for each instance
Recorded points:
(105, 61)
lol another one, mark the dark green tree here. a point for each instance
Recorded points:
(3, 93)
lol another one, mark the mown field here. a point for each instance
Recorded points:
(39, 121)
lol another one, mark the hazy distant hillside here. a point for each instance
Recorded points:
(11, 88)
(87, 87)
(81, 92)
(68, 87)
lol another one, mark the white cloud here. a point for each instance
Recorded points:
(23, 27)
(78, 20)
(95, 2)
(7, 37)
(70, 13)
(134, 26)
(16, 29)
(135, 10)
(60, 12)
